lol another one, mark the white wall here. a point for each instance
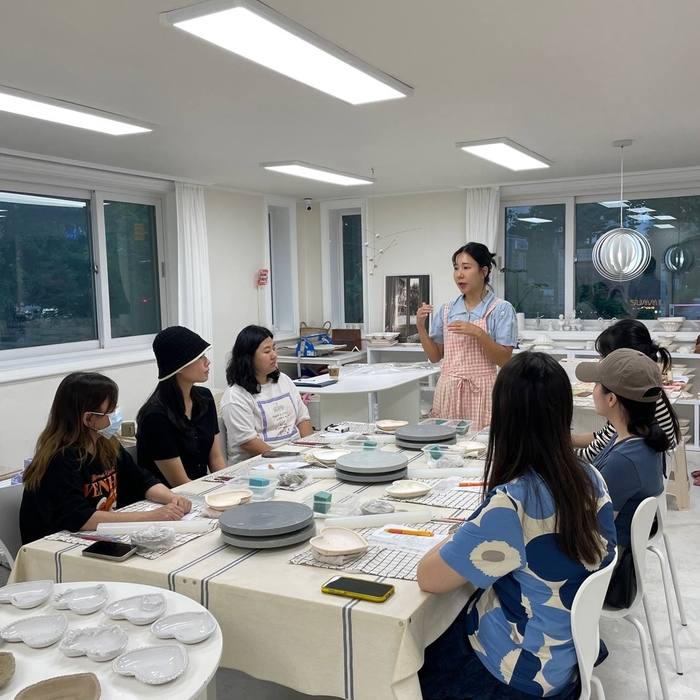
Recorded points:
(236, 230)
(309, 244)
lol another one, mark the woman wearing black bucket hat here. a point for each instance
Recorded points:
(177, 426)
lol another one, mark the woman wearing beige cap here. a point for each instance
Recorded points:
(628, 384)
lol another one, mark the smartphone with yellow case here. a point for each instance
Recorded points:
(358, 588)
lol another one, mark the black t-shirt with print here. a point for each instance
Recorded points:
(158, 439)
(72, 490)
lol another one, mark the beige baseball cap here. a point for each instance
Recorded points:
(627, 373)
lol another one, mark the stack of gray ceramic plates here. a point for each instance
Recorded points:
(413, 437)
(267, 524)
(371, 467)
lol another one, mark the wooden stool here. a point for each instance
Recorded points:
(678, 484)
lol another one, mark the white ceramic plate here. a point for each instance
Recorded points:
(83, 601)
(328, 457)
(338, 541)
(407, 488)
(100, 643)
(153, 665)
(26, 595)
(389, 426)
(228, 498)
(187, 627)
(471, 446)
(683, 422)
(36, 632)
(138, 609)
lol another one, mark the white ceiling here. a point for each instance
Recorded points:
(562, 78)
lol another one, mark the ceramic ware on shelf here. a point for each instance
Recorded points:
(82, 601)
(407, 488)
(26, 595)
(338, 541)
(543, 339)
(78, 686)
(671, 323)
(154, 665)
(36, 632)
(100, 643)
(186, 627)
(138, 609)
(7, 667)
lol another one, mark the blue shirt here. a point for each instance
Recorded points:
(501, 324)
(519, 624)
(633, 471)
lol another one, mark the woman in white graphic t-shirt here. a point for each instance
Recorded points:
(262, 409)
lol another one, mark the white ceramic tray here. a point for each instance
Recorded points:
(153, 665)
(26, 595)
(36, 632)
(187, 627)
(328, 457)
(406, 488)
(100, 643)
(82, 601)
(138, 609)
(338, 541)
(228, 498)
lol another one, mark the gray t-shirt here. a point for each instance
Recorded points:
(633, 471)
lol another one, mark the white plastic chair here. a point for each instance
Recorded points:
(10, 540)
(641, 527)
(665, 566)
(585, 615)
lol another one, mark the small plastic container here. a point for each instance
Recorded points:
(260, 493)
(357, 445)
(444, 455)
(341, 505)
(461, 426)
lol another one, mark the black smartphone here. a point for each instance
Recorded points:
(272, 454)
(114, 551)
(358, 588)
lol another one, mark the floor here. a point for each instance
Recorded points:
(622, 674)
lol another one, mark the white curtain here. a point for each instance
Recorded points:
(483, 204)
(194, 290)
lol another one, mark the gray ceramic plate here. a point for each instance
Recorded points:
(425, 433)
(371, 462)
(371, 478)
(266, 519)
(271, 542)
(418, 445)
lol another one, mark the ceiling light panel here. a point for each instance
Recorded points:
(664, 226)
(315, 172)
(534, 220)
(615, 204)
(505, 152)
(665, 217)
(263, 35)
(641, 210)
(29, 105)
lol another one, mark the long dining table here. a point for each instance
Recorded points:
(276, 623)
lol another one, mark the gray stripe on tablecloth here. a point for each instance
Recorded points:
(348, 652)
(204, 592)
(59, 564)
(175, 572)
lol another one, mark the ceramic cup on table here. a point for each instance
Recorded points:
(334, 371)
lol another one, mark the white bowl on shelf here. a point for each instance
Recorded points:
(671, 323)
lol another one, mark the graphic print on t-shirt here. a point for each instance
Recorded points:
(278, 418)
(102, 490)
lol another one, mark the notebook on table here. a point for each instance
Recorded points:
(319, 380)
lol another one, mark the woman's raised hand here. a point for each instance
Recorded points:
(422, 315)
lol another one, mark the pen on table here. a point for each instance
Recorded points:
(471, 483)
(93, 538)
(402, 531)
(448, 520)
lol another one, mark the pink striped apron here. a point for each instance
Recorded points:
(466, 381)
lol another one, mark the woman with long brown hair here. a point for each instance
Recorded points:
(545, 525)
(80, 473)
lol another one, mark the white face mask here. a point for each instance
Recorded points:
(115, 422)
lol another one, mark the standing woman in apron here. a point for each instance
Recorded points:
(473, 335)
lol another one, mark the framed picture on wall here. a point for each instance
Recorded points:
(403, 295)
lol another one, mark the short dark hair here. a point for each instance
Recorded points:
(241, 367)
(483, 256)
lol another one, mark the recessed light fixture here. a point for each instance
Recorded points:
(505, 152)
(257, 32)
(664, 226)
(665, 217)
(316, 172)
(641, 210)
(534, 220)
(48, 109)
(641, 217)
(616, 204)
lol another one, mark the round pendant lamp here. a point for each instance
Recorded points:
(679, 258)
(621, 254)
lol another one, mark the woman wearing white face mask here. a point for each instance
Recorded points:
(80, 473)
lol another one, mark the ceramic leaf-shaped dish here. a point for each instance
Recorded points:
(338, 541)
(100, 643)
(83, 601)
(153, 665)
(26, 595)
(187, 627)
(79, 686)
(36, 632)
(138, 609)
(407, 488)
(7, 667)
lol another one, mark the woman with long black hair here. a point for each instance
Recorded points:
(473, 335)
(177, 426)
(545, 525)
(630, 333)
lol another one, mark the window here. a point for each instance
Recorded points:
(283, 288)
(77, 272)
(534, 259)
(351, 229)
(670, 285)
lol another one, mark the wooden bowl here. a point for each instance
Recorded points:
(79, 686)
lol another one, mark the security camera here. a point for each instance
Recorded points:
(307, 203)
